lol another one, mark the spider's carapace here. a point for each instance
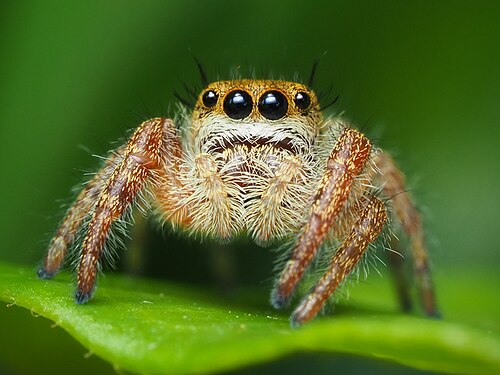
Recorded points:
(259, 157)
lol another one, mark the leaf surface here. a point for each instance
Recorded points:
(155, 327)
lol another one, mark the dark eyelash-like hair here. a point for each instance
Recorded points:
(190, 93)
(202, 71)
(323, 94)
(312, 75)
(327, 95)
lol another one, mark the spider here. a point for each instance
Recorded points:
(255, 157)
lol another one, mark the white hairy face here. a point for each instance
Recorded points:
(256, 114)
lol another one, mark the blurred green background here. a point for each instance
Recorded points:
(74, 77)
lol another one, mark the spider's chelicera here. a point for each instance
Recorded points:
(258, 157)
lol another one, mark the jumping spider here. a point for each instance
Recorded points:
(258, 157)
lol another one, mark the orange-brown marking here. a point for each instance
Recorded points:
(346, 161)
(143, 154)
(365, 231)
(75, 215)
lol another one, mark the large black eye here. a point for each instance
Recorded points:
(238, 104)
(273, 105)
(210, 98)
(302, 100)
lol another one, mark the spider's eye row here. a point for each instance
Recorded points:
(273, 105)
(302, 100)
(210, 98)
(238, 104)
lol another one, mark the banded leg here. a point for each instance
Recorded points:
(366, 229)
(393, 182)
(146, 157)
(396, 265)
(75, 215)
(346, 161)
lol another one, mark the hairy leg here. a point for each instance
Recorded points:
(150, 156)
(347, 159)
(396, 265)
(393, 182)
(366, 229)
(81, 208)
(146, 158)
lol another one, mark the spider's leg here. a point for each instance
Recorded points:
(347, 159)
(393, 182)
(396, 264)
(74, 217)
(147, 159)
(366, 229)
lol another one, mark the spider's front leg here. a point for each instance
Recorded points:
(346, 161)
(371, 220)
(150, 157)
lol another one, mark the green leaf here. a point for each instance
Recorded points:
(159, 328)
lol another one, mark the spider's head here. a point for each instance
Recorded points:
(255, 113)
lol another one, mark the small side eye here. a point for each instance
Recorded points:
(238, 104)
(210, 98)
(302, 100)
(273, 105)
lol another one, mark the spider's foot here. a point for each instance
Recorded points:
(435, 314)
(301, 315)
(406, 304)
(278, 300)
(429, 305)
(295, 321)
(43, 274)
(82, 297)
